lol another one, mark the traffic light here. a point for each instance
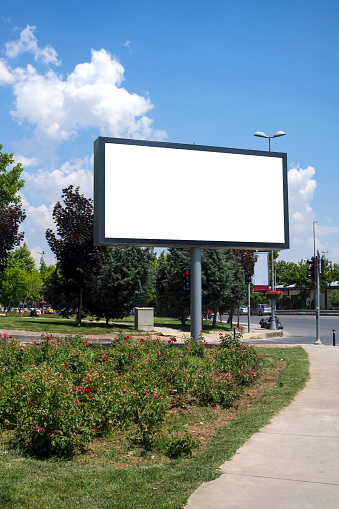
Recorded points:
(311, 268)
(186, 278)
(248, 277)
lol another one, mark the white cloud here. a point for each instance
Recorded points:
(26, 161)
(38, 218)
(48, 184)
(324, 230)
(43, 189)
(6, 76)
(29, 43)
(90, 97)
(301, 188)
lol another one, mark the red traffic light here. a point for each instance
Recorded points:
(186, 278)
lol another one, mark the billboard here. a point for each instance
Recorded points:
(176, 195)
(260, 272)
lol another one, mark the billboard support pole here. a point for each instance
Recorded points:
(195, 287)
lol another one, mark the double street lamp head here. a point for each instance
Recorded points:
(263, 135)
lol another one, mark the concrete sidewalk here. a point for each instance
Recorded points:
(294, 461)
(163, 332)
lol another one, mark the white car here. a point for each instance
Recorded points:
(243, 310)
(261, 309)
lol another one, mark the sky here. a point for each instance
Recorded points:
(212, 73)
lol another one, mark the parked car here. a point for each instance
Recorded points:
(243, 310)
(261, 309)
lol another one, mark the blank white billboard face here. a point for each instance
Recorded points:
(165, 194)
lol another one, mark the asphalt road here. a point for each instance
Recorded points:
(301, 329)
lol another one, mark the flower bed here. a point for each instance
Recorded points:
(58, 395)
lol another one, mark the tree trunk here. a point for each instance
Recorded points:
(80, 307)
(230, 318)
(9, 305)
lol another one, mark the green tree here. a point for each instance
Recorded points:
(124, 281)
(331, 274)
(172, 299)
(11, 213)
(334, 298)
(61, 292)
(21, 257)
(291, 273)
(72, 243)
(33, 285)
(45, 270)
(10, 182)
(223, 281)
(13, 286)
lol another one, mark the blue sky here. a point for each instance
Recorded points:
(212, 73)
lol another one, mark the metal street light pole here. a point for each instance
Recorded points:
(316, 291)
(259, 134)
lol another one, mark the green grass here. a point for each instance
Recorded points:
(58, 325)
(152, 483)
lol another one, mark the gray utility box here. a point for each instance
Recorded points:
(144, 319)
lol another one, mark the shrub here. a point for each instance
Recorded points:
(58, 394)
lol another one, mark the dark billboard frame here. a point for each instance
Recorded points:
(99, 199)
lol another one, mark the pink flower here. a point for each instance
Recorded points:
(159, 353)
(55, 431)
(38, 430)
(93, 430)
(144, 393)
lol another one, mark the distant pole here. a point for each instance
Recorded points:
(249, 305)
(195, 288)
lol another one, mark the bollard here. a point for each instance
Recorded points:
(234, 332)
(333, 337)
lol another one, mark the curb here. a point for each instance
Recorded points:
(26, 336)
